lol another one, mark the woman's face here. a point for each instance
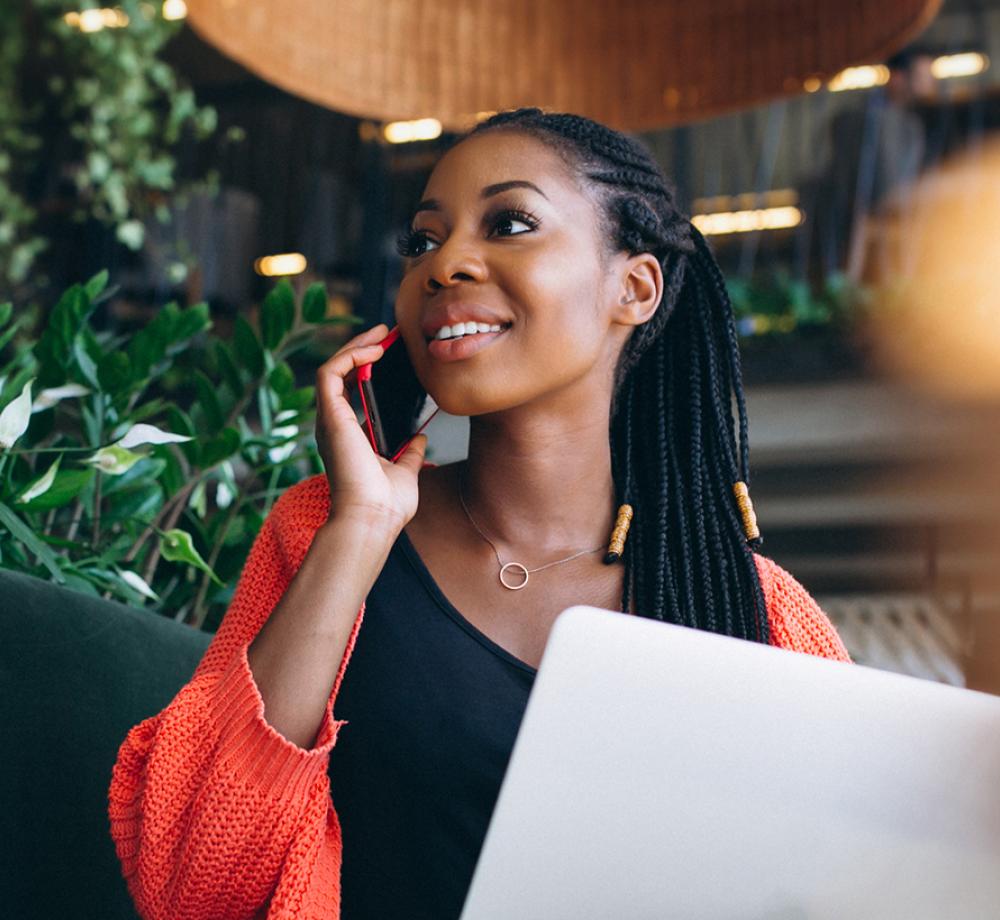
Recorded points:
(488, 247)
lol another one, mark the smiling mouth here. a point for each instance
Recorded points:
(460, 347)
(503, 327)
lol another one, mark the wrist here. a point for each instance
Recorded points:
(365, 523)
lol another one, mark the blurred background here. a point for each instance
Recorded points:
(843, 169)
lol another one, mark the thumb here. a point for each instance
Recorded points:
(413, 457)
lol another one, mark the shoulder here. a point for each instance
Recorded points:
(795, 619)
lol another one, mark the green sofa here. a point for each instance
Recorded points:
(76, 673)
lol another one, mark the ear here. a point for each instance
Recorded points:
(639, 290)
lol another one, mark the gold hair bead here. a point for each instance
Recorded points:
(617, 544)
(746, 510)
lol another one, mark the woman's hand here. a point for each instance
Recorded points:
(362, 483)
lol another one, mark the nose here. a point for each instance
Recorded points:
(453, 261)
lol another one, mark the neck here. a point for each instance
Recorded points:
(540, 486)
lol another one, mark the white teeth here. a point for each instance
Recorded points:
(459, 329)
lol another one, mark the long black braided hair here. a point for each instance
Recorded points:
(674, 447)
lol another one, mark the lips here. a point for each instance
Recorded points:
(463, 347)
(459, 312)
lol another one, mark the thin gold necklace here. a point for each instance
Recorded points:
(514, 565)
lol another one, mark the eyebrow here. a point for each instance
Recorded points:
(432, 204)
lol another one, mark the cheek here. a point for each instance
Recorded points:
(560, 313)
(408, 295)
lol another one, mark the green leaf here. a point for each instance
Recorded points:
(68, 315)
(87, 352)
(147, 469)
(192, 320)
(176, 546)
(314, 303)
(227, 367)
(80, 583)
(141, 502)
(114, 372)
(341, 320)
(144, 433)
(22, 532)
(11, 332)
(113, 460)
(181, 422)
(208, 399)
(88, 369)
(302, 398)
(146, 348)
(6, 309)
(282, 379)
(137, 583)
(172, 479)
(66, 320)
(41, 485)
(96, 284)
(15, 417)
(146, 410)
(277, 314)
(223, 445)
(248, 349)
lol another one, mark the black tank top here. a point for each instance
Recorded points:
(433, 707)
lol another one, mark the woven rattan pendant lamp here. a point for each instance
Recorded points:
(633, 64)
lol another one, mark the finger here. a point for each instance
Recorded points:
(332, 373)
(413, 457)
(375, 334)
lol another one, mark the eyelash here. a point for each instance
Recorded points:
(406, 240)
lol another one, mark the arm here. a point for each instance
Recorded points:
(795, 619)
(214, 811)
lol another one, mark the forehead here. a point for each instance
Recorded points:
(499, 156)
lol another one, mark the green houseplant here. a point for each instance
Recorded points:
(92, 109)
(141, 465)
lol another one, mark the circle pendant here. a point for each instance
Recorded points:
(514, 565)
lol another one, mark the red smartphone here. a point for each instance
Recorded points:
(396, 407)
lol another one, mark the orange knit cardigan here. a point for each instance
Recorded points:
(215, 814)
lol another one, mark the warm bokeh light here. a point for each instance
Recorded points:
(174, 9)
(286, 263)
(967, 64)
(747, 221)
(863, 77)
(94, 20)
(404, 132)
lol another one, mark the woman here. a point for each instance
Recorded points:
(608, 383)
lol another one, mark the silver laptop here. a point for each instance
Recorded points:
(666, 772)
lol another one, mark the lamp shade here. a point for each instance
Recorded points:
(632, 64)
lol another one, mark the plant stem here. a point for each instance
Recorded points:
(199, 614)
(97, 511)
(75, 523)
(275, 473)
(176, 509)
(182, 496)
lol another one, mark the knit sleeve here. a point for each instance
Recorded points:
(795, 619)
(213, 812)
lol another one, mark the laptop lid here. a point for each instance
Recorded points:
(662, 771)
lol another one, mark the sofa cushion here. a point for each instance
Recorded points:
(76, 673)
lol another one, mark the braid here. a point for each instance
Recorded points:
(675, 451)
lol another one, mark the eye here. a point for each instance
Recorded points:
(409, 241)
(515, 216)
